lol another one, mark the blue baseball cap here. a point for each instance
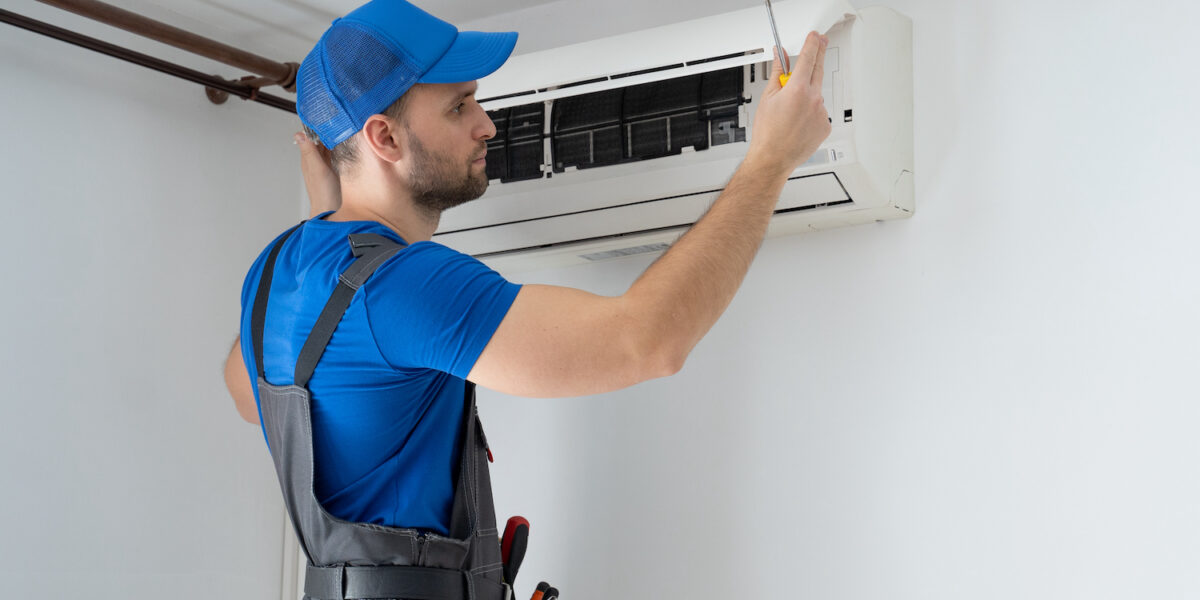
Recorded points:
(367, 59)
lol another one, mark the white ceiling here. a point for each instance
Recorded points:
(282, 30)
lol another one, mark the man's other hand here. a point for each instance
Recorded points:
(323, 186)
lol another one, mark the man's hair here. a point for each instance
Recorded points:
(343, 156)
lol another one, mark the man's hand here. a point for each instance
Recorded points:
(237, 380)
(323, 186)
(791, 121)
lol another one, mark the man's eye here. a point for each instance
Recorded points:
(459, 107)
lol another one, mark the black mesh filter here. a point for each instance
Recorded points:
(589, 111)
(721, 87)
(586, 131)
(649, 139)
(525, 160)
(663, 97)
(497, 158)
(497, 162)
(516, 152)
(688, 130)
(636, 123)
(646, 121)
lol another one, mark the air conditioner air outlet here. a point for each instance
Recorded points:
(632, 218)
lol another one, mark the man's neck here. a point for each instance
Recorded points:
(388, 207)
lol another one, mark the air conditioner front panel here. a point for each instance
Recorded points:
(805, 192)
(676, 44)
(653, 243)
(620, 185)
(597, 188)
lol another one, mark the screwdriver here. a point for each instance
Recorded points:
(513, 545)
(783, 57)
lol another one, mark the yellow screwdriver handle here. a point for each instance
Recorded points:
(783, 79)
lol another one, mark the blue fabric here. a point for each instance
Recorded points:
(387, 395)
(366, 60)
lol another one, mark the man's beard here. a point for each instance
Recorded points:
(436, 182)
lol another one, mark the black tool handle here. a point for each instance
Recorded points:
(516, 551)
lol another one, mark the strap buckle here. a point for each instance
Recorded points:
(360, 242)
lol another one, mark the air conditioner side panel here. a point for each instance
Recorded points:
(881, 66)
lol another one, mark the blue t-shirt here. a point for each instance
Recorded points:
(387, 395)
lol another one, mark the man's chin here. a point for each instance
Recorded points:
(481, 183)
(475, 192)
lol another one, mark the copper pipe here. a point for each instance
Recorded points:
(218, 85)
(283, 74)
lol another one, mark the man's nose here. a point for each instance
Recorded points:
(488, 129)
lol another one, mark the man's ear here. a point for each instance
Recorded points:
(384, 138)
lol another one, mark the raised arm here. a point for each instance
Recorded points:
(563, 342)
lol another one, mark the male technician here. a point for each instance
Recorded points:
(390, 89)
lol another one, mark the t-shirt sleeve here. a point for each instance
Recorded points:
(435, 308)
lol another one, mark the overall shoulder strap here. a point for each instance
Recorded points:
(258, 315)
(371, 250)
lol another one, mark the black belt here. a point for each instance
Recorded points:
(391, 581)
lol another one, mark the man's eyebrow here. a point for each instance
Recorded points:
(458, 98)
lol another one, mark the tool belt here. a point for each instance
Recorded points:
(409, 583)
(361, 560)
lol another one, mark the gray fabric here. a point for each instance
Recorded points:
(371, 253)
(410, 583)
(472, 550)
(327, 539)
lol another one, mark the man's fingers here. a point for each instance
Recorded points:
(326, 154)
(310, 150)
(781, 56)
(807, 60)
(776, 66)
(818, 74)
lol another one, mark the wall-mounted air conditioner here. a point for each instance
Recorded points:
(615, 146)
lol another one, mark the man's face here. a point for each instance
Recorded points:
(447, 137)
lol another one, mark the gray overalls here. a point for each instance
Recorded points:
(362, 560)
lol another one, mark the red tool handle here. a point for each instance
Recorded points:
(510, 531)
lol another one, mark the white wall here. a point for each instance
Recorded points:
(990, 400)
(994, 399)
(132, 207)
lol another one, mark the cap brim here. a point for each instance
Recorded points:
(473, 55)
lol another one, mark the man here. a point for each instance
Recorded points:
(390, 90)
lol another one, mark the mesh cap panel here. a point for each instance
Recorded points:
(317, 107)
(358, 62)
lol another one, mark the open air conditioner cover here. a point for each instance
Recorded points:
(615, 146)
